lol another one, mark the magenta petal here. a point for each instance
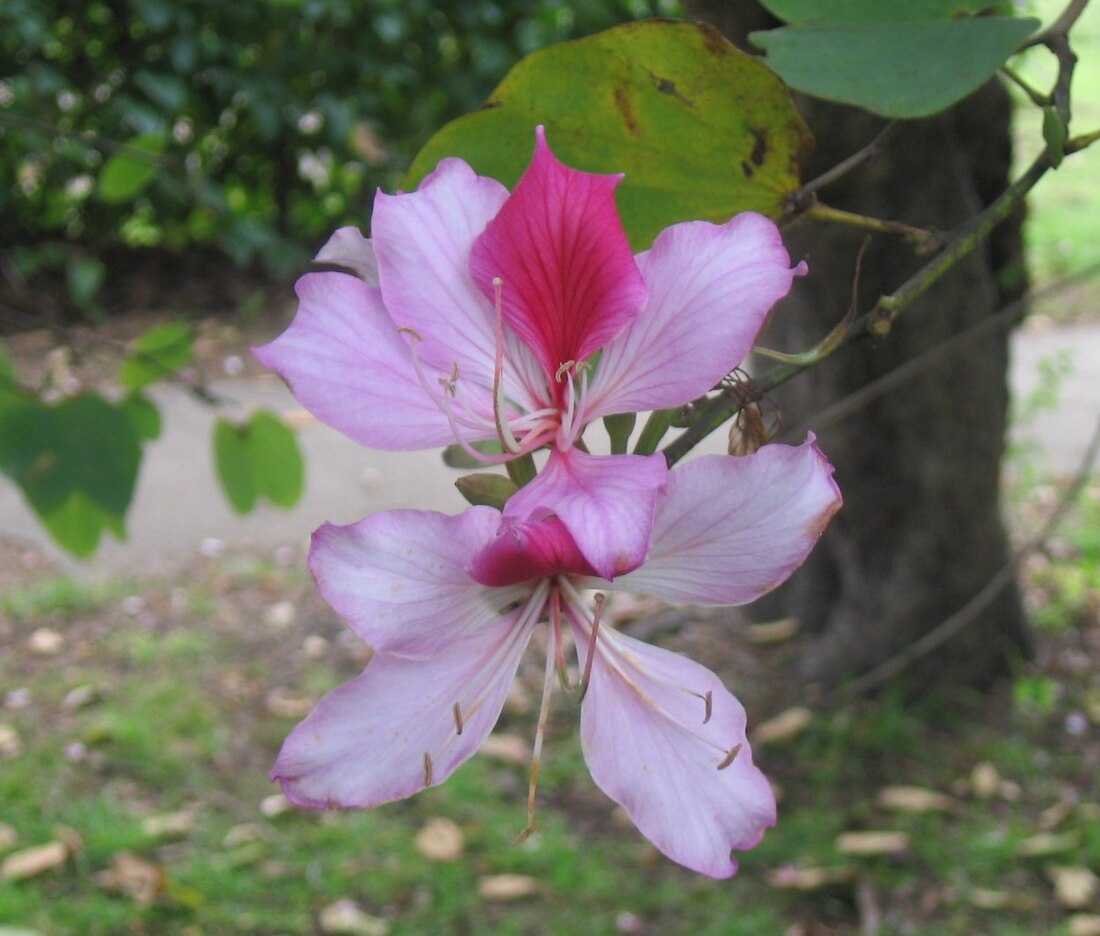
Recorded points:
(710, 289)
(348, 248)
(730, 529)
(570, 283)
(605, 502)
(393, 731)
(399, 577)
(523, 552)
(347, 364)
(654, 744)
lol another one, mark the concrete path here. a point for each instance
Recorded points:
(180, 512)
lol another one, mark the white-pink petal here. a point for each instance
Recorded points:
(730, 529)
(399, 577)
(393, 730)
(347, 364)
(710, 289)
(605, 502)
(422, 240)
(656, 745)
(348, 248)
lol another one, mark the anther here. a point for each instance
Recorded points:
(564, 369)
(405, 330)
(731, 756)
(448, 383)
(458, 718)
(427, 769)
(708, 703)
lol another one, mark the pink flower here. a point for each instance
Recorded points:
(475, 315)
(449, 603)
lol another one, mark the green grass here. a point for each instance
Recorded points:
(179, 721)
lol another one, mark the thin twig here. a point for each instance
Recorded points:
(968, 613)
(1060, 27)
(800, 199)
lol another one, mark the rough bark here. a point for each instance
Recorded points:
(921, 529)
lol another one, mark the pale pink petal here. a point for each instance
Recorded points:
(422, 240)
(655, 745)
(731, 529)
(349, 366)
(570, 282)
(605, 502)
(399, 577)
(393, 731)
(348, 248)
(710, 288)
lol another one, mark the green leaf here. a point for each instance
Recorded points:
(234, 466)
(125, 174)
(143, 416)
(700, 129)
(896, 69)
(455, 456)
(873, 11)
(277, 463)
(167, 90)
(157, 353)
(76, 463)
(484, 488)
(1054, 135)
(258, 459)
(84, 276)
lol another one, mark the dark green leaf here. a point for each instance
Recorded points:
(700, 129)
(277, 465)
(490, 490)
(169, 91)
(126, 173)
(234, 466)
(455, 456)
(156, 354)
(143, 416)
(897, 69)
(873, 11)
(1054, 135)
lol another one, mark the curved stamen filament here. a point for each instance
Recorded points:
(540, 733)
(504, 431)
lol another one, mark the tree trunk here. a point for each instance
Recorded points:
(920, 532)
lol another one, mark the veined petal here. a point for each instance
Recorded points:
(348, 248)
(730, 529)
(523, 552)
(570, 282)
(347, 364)
(656, 730)
(606, 502)
(423, 240)
(393, 730)
(710, 289)
(399, 577)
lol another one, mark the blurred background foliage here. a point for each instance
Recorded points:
(246, 129)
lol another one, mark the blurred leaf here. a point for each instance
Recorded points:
(871, 11)
(260, 458)
(234, 466)
(901, 68)
(143, 416)
(276, 459)
(455, 456)
(169, 91)
(125, 174)
(84, 276)
(491, 490)
(76, 463)
(700, 129)
(157, 353)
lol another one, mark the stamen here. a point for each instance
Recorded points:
(731, 756)
(448, 383)
(504, 431)
(599, 599)
(540, 732)
(457, 710)
(427, 769)
(708, 702)
(563, 370)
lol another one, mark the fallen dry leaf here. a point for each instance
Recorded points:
(985, 780)
(1074, 887)
(989, 899)
(914, 799)
(169, 825)
(275, 805)
(878, 842)
(502, 887)
(30, 862)
(770, 632)
(790, 877)
(1084, 924)
(81, 697)
(786, 726)
(8, 836)
(440, 840)
(1053, 816)
(506, 747)
(346, 918)
(136, 877)
(280, 615)
(1047, 843)
(11, 745)
(45, 642)
(284, 703)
